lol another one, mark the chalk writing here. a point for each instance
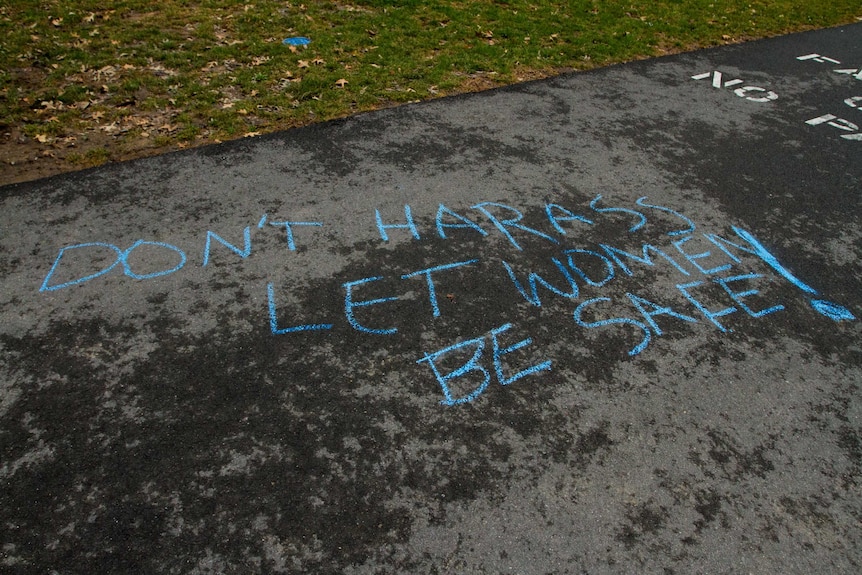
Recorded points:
(833, 311)
(432, 292)
(409, 224)
(243, 253)
(534, 280)
(273, 317)
(288, 228)
(350, 305)
(513, 222)
(700, 265)
(474, 365)
(465, 223)
(121, 258)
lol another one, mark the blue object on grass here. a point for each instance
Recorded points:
(296, 41)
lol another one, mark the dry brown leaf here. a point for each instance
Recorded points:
(302, 64)
(41, 138)
(340, 83)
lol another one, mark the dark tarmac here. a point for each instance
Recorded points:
(603, 323)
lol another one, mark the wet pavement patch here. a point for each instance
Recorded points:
(602, 323)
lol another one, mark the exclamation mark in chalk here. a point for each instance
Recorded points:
(831, 310)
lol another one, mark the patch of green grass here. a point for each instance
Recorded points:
(213, 69)
(90, 158)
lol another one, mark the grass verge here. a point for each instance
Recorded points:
(81, 84)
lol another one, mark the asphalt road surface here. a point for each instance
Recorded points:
(603, 323)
